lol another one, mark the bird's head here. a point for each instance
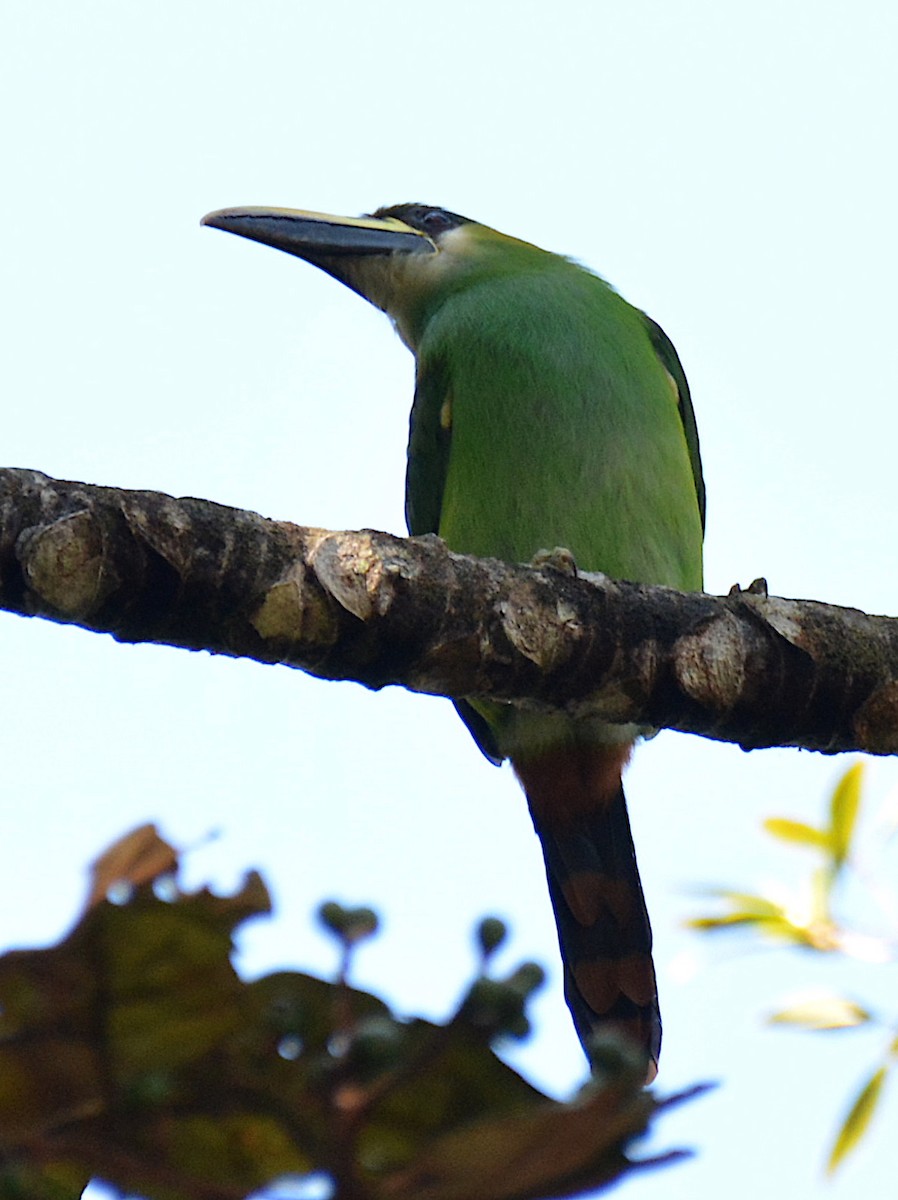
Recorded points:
(402, 259)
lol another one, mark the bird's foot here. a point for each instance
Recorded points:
(757, 587)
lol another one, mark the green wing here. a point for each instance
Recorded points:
(670, 360)
(429, 437)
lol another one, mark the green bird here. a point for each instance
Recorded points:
(548, 412)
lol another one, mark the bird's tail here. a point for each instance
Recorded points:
(577, 803)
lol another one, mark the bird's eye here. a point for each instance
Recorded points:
(436, 221)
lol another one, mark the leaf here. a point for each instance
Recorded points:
(822, 1013)
(733, 919)
(555, 1150)
(855, 1124)
(797, 832)
(771, 920)
(748, 909)
(747, 903)
(758, 906)
(844, 807)
(132, 1051)
(135, 859)
(101, 1035)
(821, 887)
(49, 1181)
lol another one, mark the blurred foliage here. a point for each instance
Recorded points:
(133, 1053)
(814, 921)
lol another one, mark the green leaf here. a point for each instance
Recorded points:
(490, 934)
(855, 1124)
(821, 1013)
(797, 832)
(349, 925)
(844, 807)
(49, 1181)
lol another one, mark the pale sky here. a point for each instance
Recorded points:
(731, 169)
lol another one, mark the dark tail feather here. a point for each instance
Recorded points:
(603, 924)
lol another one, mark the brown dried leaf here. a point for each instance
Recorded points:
(552, 1150)
(133, 1052)
(136, 859)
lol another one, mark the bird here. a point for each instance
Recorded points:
(549, 416)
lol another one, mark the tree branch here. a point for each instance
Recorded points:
(378, 609)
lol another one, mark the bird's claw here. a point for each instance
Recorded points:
(757, 587)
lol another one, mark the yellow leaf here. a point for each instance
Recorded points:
(822, 1012)
(747, 909)
(844, 807)
(756, 906)
(798, 832)
(855, 1124)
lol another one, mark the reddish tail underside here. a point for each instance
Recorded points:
(577, 803)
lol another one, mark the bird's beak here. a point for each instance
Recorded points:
(335, 244)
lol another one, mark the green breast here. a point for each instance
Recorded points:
(553, 423)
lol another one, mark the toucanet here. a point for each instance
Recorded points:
(548, 412)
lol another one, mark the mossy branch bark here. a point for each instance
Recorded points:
(378, 609)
